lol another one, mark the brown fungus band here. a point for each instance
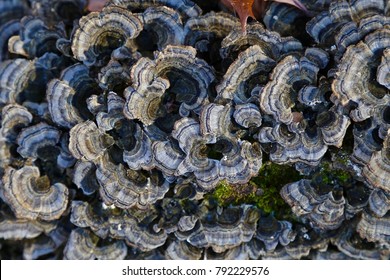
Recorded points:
(176, 82)
(32, 196)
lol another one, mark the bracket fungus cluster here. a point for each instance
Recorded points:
(170, 129)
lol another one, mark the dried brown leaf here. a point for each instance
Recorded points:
(255, 8)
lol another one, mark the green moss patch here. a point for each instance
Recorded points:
(262, 190)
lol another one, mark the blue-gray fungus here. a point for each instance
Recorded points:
(83, 245)
(115, 29)
(157, 129)
(35, 38)
(67, 95)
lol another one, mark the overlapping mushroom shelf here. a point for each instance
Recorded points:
(157, 129)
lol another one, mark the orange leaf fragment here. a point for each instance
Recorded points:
(243, 8)
(256, 8)
(96, 5)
